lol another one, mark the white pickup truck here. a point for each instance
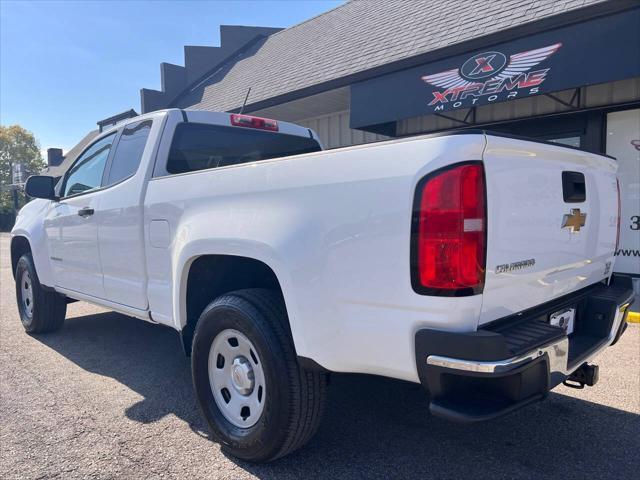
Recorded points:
(478, 265)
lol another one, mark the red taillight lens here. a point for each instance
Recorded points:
(254, 122)
(618, 225)
(450, 232)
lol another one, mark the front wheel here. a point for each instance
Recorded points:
(40, 310)
(259, 403)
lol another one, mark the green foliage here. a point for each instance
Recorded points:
(17, 145)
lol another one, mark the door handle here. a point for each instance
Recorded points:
(86, 212)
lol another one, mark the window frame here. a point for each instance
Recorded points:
(109, 165)
(117, 132)
(63, 185)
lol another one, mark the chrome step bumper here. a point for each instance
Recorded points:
(481, 378)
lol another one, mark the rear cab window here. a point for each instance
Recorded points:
(199, 146)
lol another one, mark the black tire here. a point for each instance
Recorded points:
(48, 308)
(294, 402)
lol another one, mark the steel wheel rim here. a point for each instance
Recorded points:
(26, 291)
(236, 378)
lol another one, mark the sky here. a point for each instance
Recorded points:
(66, 65)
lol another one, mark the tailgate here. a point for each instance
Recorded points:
(551, 226)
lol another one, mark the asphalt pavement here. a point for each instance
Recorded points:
(110, 396)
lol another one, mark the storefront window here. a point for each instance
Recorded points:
(623, 143)
(569, 141)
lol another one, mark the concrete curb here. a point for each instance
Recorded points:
(633, 317)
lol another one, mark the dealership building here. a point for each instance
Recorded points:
(567, 71)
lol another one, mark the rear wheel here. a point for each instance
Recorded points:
(40, 310)
(259, 403)
(236, 378)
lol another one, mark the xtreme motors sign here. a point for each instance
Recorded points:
(596, 51)
(492, 75)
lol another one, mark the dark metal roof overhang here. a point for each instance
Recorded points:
(587, 52)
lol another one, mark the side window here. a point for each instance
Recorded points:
(128, 154)
(86, 173)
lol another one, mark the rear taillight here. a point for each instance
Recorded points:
(618, 224)
(248, 121)
(449, 232)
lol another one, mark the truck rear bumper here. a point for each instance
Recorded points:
(517, 360)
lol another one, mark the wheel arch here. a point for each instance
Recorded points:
(206, 277)
(19, 246)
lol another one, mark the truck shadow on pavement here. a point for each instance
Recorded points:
(373, 427)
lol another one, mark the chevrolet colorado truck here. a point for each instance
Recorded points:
(476, 264)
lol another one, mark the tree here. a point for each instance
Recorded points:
(17, 145)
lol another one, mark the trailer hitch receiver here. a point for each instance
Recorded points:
(585, 375)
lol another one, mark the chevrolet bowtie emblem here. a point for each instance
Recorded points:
(574, 220)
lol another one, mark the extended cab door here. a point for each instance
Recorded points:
(120, 223)
(71, 225)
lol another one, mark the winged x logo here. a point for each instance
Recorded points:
(489, 74)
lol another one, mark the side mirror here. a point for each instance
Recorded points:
(40, 186)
